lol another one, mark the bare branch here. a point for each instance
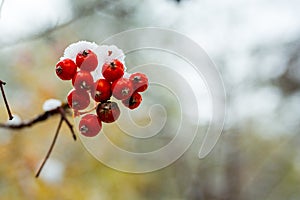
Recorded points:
(51, 147)
(63, 115)
(40, 118)
(5, 100)
(43, 117)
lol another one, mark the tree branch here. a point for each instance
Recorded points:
(43, 117)
(5, 100)
(51, 147)
(61, 110)
(63, 115)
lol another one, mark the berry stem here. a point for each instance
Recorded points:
(51, 147)
(87, 111)
(85, 53)
(113, 65)
(5, 100)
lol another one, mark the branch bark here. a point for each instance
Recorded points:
(62, 110)
(40, 118)
(51, 147)
(5, 100)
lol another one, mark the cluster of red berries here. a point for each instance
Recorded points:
(113, 84)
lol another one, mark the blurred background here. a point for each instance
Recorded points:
(255, 46)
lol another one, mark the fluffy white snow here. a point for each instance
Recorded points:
(15, 121)
(73, 49)
(51, 104)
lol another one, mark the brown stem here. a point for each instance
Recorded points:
(40, 118)
(51, 148)
(5, 100)
(63, 115)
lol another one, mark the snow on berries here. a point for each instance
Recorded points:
(99, 78)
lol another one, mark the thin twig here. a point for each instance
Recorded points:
(40, 118)
(5, 100)
(63, 115)
(51, 147)
(43, 117)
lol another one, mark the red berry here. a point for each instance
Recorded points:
(66, 69)
(139, 82)
(78, 100)
(134, 101)
(90, 125)
(83, 80)
(101, 91)
(87, 60)
(122, 88)
(112, 71)
(108, 112)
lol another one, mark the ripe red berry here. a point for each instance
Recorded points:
(83, 80)
(133, 102)
(101, 91)
(112, 71)
(108, 112)
(139, 81)
(87, 60)
(66, 69)
(90, 125)
(122, 88)
(78, 100)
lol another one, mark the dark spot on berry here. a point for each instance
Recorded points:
(84, 85)
(137, 79)
(84, 129)
(59, 70)
(112, 65)
(125, 91)
(85, 53)
(98, 94)
(132, 101)
(75, 104)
